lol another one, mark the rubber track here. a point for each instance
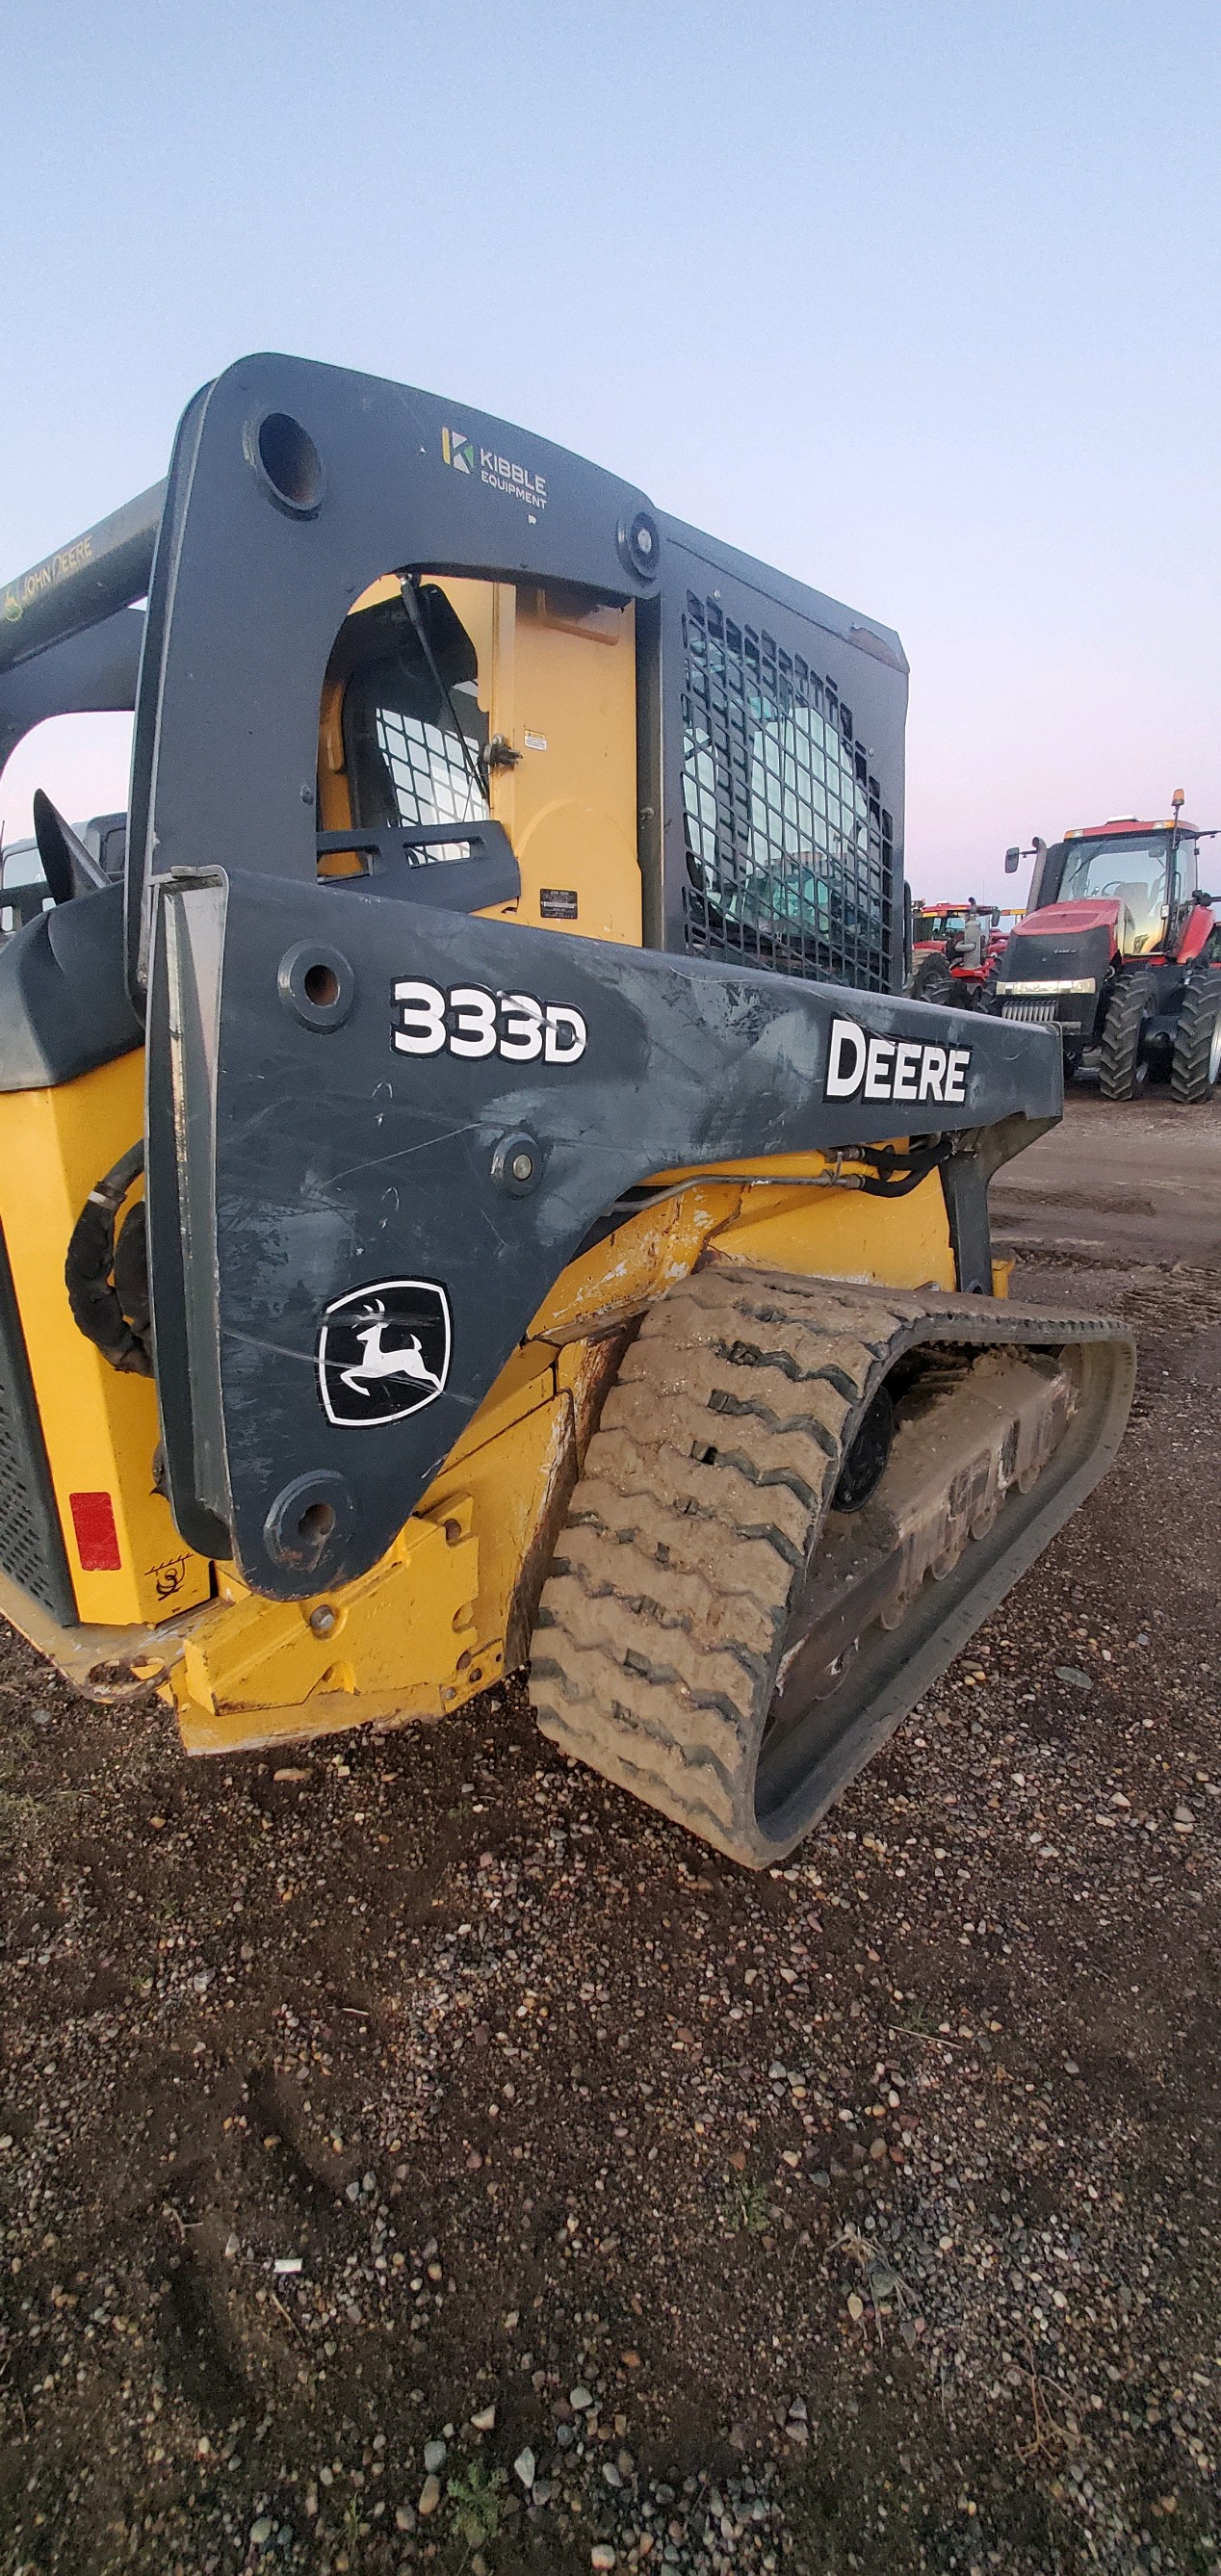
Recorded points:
(700, 1502)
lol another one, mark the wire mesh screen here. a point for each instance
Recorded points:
(789, 850)
(430, 773)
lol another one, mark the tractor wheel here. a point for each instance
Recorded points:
(1122, 1071)
(1196, 1066)
(933, 982)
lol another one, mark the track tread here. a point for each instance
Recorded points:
(694, 1518)
(689, 1529)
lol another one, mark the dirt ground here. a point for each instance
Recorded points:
(413, 2153)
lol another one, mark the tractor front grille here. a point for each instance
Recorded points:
(1039, 1012)
(31, 1541)
(789, 849)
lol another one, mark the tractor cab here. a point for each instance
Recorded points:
(1119, 949)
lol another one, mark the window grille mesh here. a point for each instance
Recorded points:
(789, 850)
(431, 778)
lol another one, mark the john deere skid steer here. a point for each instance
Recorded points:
(474, 1193)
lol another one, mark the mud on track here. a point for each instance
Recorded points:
(870, 2205)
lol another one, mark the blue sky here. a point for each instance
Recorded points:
(918, 301)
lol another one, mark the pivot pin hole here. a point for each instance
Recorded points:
(317, 1522)
(316, 984)
(291, 463)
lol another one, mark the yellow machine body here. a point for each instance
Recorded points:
(100, 1428)
(449, 1608)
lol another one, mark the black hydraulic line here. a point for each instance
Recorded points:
(108, 1285)
(82, 583)
(411, 603)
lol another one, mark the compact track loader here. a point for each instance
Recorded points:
(474, 1193)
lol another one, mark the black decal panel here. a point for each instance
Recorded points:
(309, 1174)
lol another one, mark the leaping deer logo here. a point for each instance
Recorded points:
(376, 1363)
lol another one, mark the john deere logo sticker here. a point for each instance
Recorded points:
(458, 450)
(383, 1352)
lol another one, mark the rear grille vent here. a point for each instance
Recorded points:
(31, 1543)
(789, 849)
(1030, 1011)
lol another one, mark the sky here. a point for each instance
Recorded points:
(918, 301)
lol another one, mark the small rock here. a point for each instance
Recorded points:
(485, 2420)
(611, 2474)
(601, 2555)
(798, 2413)
(856, 2307)
(1069, 1673)
(434, 2456)
(580, 2401)
(630, 2359)
(430, 2495)
(878, 2150)
(524, 2467)
(404, 2517)
(261, 2531)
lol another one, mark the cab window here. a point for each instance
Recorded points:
(414, 734)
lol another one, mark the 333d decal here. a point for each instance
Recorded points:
(468, 1021)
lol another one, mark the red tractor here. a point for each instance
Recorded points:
(955, 948)
(1120, 950)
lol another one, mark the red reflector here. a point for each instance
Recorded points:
(97, 1539)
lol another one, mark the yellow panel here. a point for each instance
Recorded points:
(101, 1429)
(635, 1264)
(820, 1232)
(526, 1380)
(510, 1485)
(844, 1234)
(386, 1646)
(573, 795)
(557, 683)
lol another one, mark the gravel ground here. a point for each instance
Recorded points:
(413, 2153)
